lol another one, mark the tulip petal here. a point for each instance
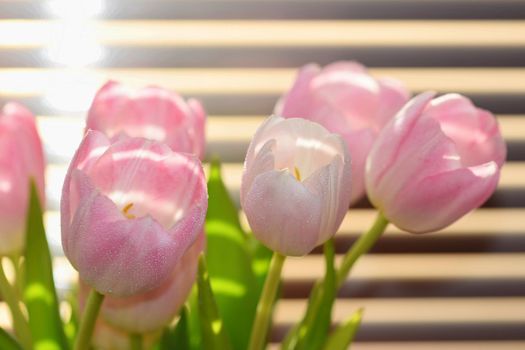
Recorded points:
(151, 112)
(264, 161)
(474, 131)
(153, 310)
(197, 131)
(104, 246)
(297, 102)
(426, 152)
(93, 145)
(393, 96)
(437, 201)
(299, 143)
(339, 91)
(277, 203)
(332, 184)
(151, 178)
(386, 150)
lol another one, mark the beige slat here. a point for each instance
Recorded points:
(38, 33)
(416, 310)
(459, 267)
(433, 345)
(68, 83)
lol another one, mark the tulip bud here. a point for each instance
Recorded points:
(151, 311)
(21, 158)
(436, 161)
(129, 211)
(345, 99)
(151, 112)
(295, 187)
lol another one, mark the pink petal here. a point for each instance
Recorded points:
(277, 203)
(21, 159)
(198, 132)
(155, 309)
(115, 255)
(386, 149)
(297, 102)
(426, 151)
(332, 184)
(263, 162)
(151, 177)
(393, 96)
(437, 201)
(150, 112)
(91, 148)
(355, 96)
(475, 132)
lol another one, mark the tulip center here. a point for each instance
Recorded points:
(296, 173)
(126, 210)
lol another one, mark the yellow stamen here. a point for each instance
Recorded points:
(126, 209)
(297, 173)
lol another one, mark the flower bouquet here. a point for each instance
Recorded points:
(163, 260)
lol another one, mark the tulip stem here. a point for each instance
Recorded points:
(19, 321)
(135, 341)
(361, 246)
(265, 306)
(87, 325)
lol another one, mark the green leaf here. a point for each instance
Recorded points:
(194, 321)
(342, 336)
(39, 288)
(312, 331)
(229, 261)
(213, 333)
(7, 342)
(177, 337)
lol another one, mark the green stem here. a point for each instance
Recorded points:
(361, 246)
(87, 324)
(135, 341)
(264, 308)
(19, 321)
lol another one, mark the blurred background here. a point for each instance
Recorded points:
(463, 288)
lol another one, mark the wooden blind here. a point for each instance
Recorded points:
(462, 288)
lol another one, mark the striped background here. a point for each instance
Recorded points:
(463, 288)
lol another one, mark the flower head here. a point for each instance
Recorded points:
(295, 187)
(436, 161)
(130, 209)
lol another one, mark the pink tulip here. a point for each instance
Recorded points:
(295, 187)
(436, 161)
(21, 158)
(345, 99)
(130, 209)
(153, 310)
(151, 112)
